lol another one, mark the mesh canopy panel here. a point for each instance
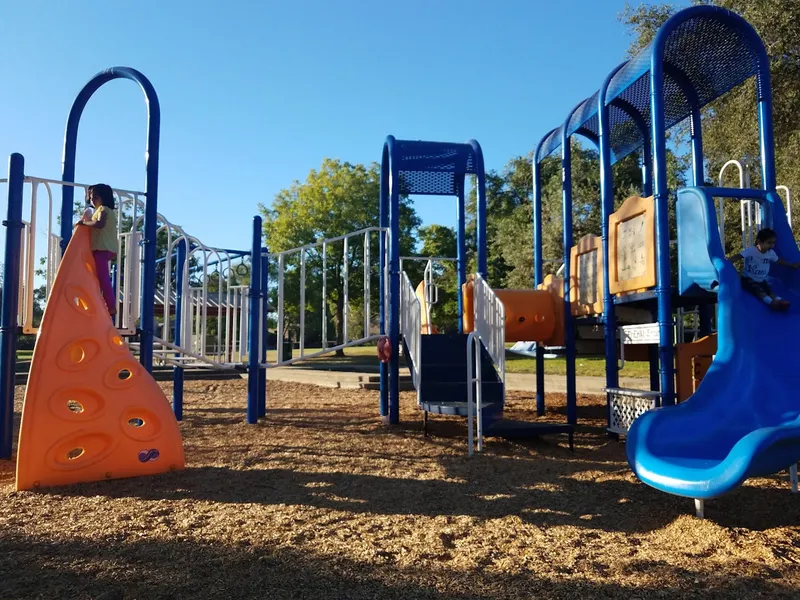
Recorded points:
(584, 119)
(550, 144)
(708, 52)
(625, 133)
(708, 55)
(433, 168)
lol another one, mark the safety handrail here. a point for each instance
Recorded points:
(721, 201)
(788, 203)
(490, 323)
(302, 267)
(474, 395)
(411, 329)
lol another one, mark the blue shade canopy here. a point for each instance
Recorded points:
(550, 143)
(433, 168)
(707, 51)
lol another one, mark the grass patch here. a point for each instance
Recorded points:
(365, 356)
(585, 366)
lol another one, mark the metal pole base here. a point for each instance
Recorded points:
(699, 508)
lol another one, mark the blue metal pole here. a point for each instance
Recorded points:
(151, 190)
(766, 138)
(538, 270)
(647, 189)
(253, 353)
(663, 293)
(569, 326)
(647, 167)
(696, 129)
(606, 208)
(10, 303)
(262, 373)
(699, 179)
(177, 372)
(394, 295)
(462, 253)
(481, 208)
(384, 223)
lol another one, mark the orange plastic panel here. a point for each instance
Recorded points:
(530, 314)
(586, 276)
(687, 375)
(468, 297)
(426, 327)
(632, 246)
(91, 411)
(555, 286)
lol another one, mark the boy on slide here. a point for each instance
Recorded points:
(757, 260)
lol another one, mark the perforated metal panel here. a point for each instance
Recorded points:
(625, 408)
(551, 143)
(585, 117)
(433, 168)
(436, 183)
(625, 133)
(706, 52)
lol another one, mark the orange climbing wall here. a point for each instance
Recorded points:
(91, 411)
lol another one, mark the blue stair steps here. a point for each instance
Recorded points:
(444, 389)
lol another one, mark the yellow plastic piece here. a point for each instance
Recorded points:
(427, 328)
(586, 277)
(632, 246)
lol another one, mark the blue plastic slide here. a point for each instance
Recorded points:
(743, 421)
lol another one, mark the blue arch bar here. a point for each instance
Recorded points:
(151, 189)
(446, 165)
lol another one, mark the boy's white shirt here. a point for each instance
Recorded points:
(757, 263)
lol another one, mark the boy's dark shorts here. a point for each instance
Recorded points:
(756, 287)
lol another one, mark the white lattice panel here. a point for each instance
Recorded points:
(626, 407)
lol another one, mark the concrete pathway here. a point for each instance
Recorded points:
(515, 381)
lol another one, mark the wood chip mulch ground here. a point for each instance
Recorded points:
(321, 501)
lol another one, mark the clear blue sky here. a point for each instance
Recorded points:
(255, 93)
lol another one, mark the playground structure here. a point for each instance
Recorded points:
(611, 280)
(190, 286)
(445, 374)
(731, 427)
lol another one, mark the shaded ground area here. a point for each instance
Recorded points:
(320, 501)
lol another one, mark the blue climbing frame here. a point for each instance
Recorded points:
(698, 55)
(151, 189)
(411, 167)
(13, 249)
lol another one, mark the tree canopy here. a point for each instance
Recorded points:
(730, 124)
(337, 199)
(342, 197)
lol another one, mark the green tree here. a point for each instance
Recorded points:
(511, 232)
(438, 240)
(730, 126)
(337, 199)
